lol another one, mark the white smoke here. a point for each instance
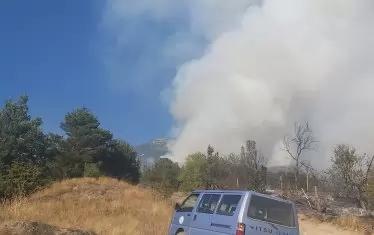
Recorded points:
(271, 64)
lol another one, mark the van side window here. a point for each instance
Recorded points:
(228, 205)
(271, 210)
(189, 203)
(208, 203)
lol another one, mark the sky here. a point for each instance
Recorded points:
(199, 71)
(63, 56)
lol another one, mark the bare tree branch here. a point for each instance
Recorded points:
(302, 141)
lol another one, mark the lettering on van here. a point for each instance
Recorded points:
(267, 230)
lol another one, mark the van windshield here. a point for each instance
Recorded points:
(271, 210)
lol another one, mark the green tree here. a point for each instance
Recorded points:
(255, 163)
(21, 137)
(216, 170)
(23, 149)
(59, 162)
(164, 175)
(69, 165)
(21, 179)
(249, 167)
(85, 136)
(86, 142)
(29, 158)
(350, 173)
(121, 161)
(193, 173)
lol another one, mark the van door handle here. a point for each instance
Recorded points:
(220, 225)
(194, 217)
(188, 214)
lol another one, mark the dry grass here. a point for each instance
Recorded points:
(351, 223)
(355, 223)
(107, 206)
(103, 205)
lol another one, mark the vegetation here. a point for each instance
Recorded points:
(104, 205)
(350, 175)
(76, 162)
(296, 145)
(107, 206)
(211, 171)
(30, 158)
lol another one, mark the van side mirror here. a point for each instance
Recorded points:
(177, 206)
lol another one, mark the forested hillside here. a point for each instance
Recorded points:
(152, 150)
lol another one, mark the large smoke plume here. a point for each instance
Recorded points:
(269, 64)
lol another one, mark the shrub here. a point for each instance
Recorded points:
(21, 179)
(92, 170)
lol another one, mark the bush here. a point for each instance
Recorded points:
(21, 179)
(92, 170)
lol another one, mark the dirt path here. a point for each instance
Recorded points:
(312, 228)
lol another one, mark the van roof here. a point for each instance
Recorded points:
(221, 191)
(242, 192)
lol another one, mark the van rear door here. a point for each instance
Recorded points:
(268, 215)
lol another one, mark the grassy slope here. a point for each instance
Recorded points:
(108, 206)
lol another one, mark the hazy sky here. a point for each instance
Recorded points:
(203, 71)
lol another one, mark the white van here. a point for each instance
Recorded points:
(215, 212)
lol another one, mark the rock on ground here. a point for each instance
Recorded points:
(37, 228)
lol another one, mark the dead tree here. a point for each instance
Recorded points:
(296, 145)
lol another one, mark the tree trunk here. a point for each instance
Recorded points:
(297, 175)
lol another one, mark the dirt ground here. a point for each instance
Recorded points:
(312, 228)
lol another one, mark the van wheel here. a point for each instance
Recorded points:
(180, 233)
